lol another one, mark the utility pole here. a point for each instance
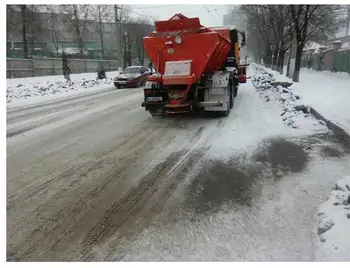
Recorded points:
(348, 22)
(125, 50)
(24, 30)
(118, 24)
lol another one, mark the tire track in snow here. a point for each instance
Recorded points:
(33, 117)
(146, 199)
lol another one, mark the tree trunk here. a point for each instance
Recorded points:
(125, 53)
(101, 40)
(299, 54)
(280, 62)
(142, 59)
(129, 51)
(274, 58)
(77, 30)
(139, 53)
(24, 31)
(101, 30)
(288, 63)
(32, 43)
(268, 57)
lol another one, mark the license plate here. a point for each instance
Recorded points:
(122, 82)
(154, 98)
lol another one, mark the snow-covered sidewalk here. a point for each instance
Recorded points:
(328, 93)
(23, 91)
(334, 224)
(293, 111)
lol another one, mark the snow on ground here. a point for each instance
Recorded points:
(293, 111)
(328, 93)
(334, 224)
(21, 91)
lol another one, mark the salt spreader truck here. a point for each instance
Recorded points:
(198, 68)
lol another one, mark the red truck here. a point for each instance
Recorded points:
(197, 67)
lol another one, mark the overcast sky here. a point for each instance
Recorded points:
(209, 15)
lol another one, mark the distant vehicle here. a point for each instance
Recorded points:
(133, 76)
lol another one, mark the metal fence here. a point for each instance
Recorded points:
(330, 60)
(17, 68)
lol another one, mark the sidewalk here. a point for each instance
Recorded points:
(328, 93)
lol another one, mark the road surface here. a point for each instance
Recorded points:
(95, 177)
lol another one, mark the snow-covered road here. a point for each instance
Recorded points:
(95, 177)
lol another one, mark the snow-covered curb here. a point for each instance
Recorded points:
(294, 113)
(293, 107)
(334, 223)
(36, 89)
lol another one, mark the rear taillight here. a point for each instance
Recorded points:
(242, 78)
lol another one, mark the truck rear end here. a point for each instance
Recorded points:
(193, 68)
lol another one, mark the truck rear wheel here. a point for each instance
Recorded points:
(230, 102)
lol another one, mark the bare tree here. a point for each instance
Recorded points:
(54, 15)
(34, 25)
(137, 29)
(79, 15)
(309, 20)
(258, 22)
(24, 30)
(102, 14)
(275, 25)
(13, 22)
(121, 15)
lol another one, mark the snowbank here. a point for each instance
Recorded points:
(36, 89)
(293, 112)
(334, 224)
(327, 92)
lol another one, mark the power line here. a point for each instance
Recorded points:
(155, 6)
(217, 13)
(209, 12)
(221, 12)
(146, 14)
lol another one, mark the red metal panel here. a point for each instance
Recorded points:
(176, 25)
(207, 49)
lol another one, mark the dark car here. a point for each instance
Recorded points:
(133, 76)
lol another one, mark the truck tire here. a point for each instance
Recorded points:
(117, 85)
(232, 95)
(230, 104)
(235, 87)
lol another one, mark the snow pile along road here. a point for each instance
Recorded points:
(326, 92)
(334, 224)
(28, 88)
(293, 112)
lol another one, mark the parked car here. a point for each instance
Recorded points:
(133, 76)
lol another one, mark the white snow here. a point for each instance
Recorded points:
(328, 93)
(292, 111)
(279, 227)
(334, 224)
(72, 50)
(254, 119)
(23, 91)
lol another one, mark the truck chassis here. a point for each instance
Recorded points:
(214, 93)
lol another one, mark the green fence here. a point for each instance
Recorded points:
(342, 61)
(334, 61)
